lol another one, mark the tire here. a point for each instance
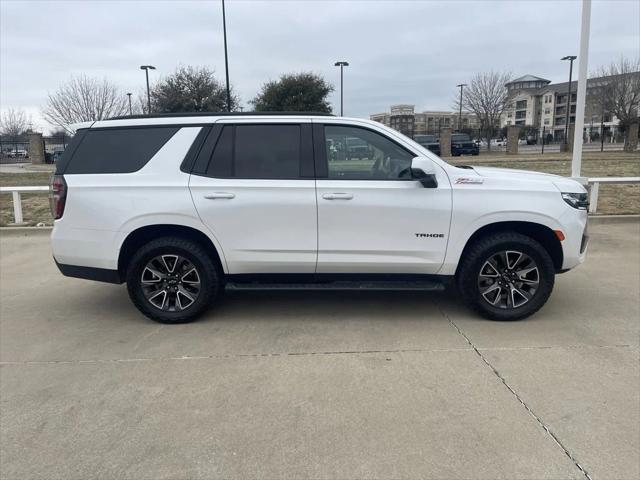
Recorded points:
(189, 287)
(484, 285)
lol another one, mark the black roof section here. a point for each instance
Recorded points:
(218, 114)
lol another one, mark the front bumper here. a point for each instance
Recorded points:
(575, 245)
(585, 239)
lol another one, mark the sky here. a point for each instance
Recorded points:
(402, 51)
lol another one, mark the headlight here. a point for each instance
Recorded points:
(576, 200)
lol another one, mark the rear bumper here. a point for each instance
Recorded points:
(90, 273)
(84, 247)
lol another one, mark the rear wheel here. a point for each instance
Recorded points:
(506, 276)
(172, 280)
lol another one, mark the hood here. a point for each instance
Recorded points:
(563, 184)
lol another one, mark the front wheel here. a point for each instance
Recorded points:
(172, 280)
(506, 276)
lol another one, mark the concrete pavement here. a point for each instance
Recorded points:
(320, 385)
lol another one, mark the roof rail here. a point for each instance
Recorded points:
(216, 114)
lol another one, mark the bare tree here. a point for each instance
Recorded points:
(619, 93)
(486, 96)
(13, 123)
(84, 99)
(140, 104)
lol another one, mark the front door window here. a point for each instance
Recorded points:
(361, 154)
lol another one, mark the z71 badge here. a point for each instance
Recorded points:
(469, 180)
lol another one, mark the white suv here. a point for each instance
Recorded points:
(182, 206)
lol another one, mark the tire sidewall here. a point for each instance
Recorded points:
(209, 283)
(470, 289)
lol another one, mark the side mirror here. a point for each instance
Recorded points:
(422, 169)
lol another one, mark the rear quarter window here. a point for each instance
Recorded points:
(117, 150)
(63, 161)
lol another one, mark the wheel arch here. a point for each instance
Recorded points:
(138, 237)
(541, 233)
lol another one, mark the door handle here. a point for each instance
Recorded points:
(219, 195)
(337, 196)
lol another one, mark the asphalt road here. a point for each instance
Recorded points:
(321, 385)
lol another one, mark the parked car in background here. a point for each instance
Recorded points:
(462, 144)
(429, 141)
(356, 149)
(181, 207)
(18, 154)
(56, 155)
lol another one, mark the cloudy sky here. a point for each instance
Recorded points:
(399, 51)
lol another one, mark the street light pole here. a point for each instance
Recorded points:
(146, 69)
(461, 86)
(130, 109)
(571, 58)
(226, 56)
(341, 64)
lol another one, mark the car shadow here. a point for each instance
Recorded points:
(267, 305)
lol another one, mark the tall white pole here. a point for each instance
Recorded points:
(583, 59)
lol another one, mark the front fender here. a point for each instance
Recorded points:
(459, 236)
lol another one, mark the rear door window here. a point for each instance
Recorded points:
(118, 150)
(257, 152)
(267, 151)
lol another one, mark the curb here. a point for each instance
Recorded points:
(24, 231)
(606, 219)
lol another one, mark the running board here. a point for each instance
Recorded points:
(421, 285)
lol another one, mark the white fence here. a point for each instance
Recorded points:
(594, 188)
(17, 199)
(594, 184)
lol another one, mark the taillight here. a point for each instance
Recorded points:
(57, 195)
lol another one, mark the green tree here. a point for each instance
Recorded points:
(294, 92)
(191, 89)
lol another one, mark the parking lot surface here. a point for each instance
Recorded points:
(320, 385)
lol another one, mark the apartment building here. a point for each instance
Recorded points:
(538, 103)
(524, 106)
(404, 118)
